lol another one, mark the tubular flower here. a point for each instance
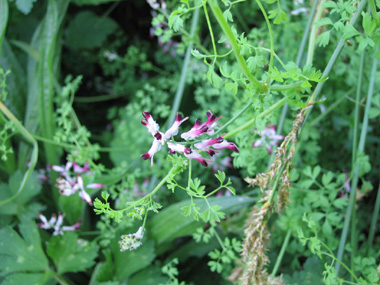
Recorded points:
(194, 154)
(268, 138)
(195, 131)
(131, 241)
(226, 144)
(173, 130)
(56, 224)
(209, 145)
(150, 124)
(156, 146)
(70, 184)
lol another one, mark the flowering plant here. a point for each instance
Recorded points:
(266, 187)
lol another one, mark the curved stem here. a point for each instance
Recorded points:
(363, 135)
(253, 120)
(235, 117)
(231, 38)
(210, 29)
(313, 34)
(33, 159)
(270, 33)
(281, 254)
(182, 80)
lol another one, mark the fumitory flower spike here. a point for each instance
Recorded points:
(211, 146)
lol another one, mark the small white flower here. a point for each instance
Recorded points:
(56, 224)
(132, 241)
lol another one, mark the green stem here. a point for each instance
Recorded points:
(253, 120)
(306, 33)
(145, 219)
(182, 80)
(154, 191)
(338, 260)
(96, 99)
(363, 135)
(33, 159)
(375, 216)
(231, 38)
(235, 117)
(313, 34)
(286, 87)
(210, 29)
(189, 178)
(357, 100)
(354, 155)
(59, 279)
(219, 240)
(281, 254)
(270, 33)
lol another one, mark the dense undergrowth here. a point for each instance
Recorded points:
(189, 142)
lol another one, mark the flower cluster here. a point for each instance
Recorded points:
(56, 224)
(131, 241)
(269, 138)
(210, 146)
(69, 183)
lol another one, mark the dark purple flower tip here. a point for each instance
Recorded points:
(234, 147)
(145, 156)
(179, 117)
(144, 122)
(188, 151)
(218, 140)
(203, 129)
(158, 136)
(203, 162)
(211, 152)
(197, 124)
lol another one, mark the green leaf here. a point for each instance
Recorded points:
(228, 16)
(279, 15)
(129, 262)
(327, 229)
(324, 22)
(323, 39)
(21, 204)
(150, 276)
(92, 2)
(310, 275)
(340, 203)
(175, 21)
(170, 223)
(87, 30)
(25, 278)
(197, 54)
(25, 6)
(221, 176)
(326, 178)
(232, 86)
(368, 24)
(21, 253)
(349, 31)
(71, 254)
(3, 20)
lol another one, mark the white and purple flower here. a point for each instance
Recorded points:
(269, 138)
(211, 146)
(56, 224)
(70, 182)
